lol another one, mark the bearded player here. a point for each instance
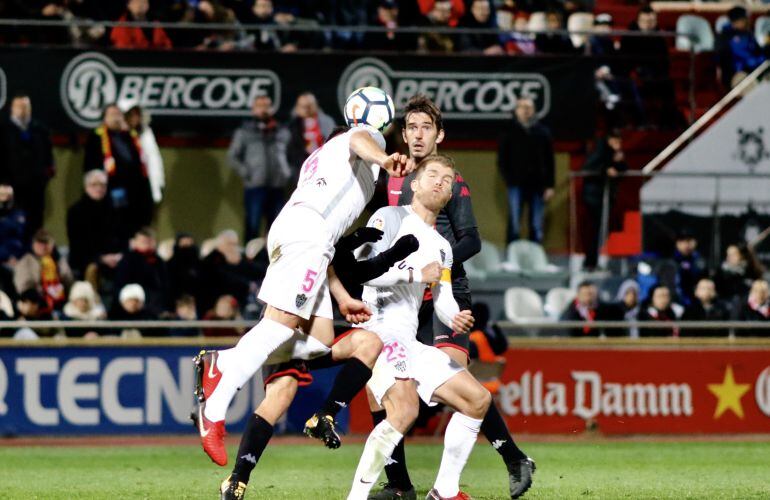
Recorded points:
(423, 132)
(408, 369)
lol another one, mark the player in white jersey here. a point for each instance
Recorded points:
(407, 369)
(335, 183)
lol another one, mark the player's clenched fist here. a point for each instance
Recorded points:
(354, 311)
(431, 273)
(462, 322)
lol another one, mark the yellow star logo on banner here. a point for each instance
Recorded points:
(729, 394)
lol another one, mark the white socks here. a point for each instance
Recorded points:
(459, 438)
(239, 363)
(379, 446)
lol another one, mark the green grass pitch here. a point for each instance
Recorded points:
(604, 469)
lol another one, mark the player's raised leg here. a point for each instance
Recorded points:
(401, 406)
(471, 401)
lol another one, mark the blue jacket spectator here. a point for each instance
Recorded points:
(12, 221)
(739, 52)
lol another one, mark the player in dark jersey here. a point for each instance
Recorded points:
(423, 132)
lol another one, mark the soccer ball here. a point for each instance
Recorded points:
(370, 106)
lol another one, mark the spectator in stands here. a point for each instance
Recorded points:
(705, 307)
(348, 13)
(627, 299)
(689, 266)
(518, 40)
(604, 165)
(226, 39)
(737, 272)
(184, 267)
(185, 311)
(258, 155)
(755, 307)
(738, 51)
(130, 307)
(141, 265)
(83, 305)
(133, 37)
(226, 272)
(31, 306)
(111, 147)
(225, 309)
(387, 16)
(26, 160)
(480, 16)
(456, 9)
(660, 308)
(44, 271)
(648, 63)
(92, 227)
(309, 127)
(526, 162)
(601, 43)
(587, 307)
(138, 121)
(554, 43)
(263, 39)
(439, 15)
(12, 221)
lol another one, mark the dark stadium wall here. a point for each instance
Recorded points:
(203, 195)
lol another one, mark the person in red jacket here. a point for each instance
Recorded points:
(131, 37)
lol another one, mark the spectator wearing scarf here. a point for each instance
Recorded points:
(587, 307)
(660, 308)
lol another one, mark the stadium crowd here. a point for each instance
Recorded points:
(114, 267)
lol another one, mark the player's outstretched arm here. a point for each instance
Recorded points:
(366, 148)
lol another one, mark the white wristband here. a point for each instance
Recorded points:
(417, 276)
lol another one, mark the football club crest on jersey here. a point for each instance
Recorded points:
(443, 256)
(378, 223)
(300, 300)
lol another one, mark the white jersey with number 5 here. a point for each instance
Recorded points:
(395, 303)
(336, 183)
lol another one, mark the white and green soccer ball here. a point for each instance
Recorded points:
(371, 106)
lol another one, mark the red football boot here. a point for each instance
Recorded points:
(433, 495)
(212, 433)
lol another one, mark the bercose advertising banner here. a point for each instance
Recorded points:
(634, 390)
(121, 390)
(207, 93)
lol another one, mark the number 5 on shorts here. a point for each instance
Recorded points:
(309, 281)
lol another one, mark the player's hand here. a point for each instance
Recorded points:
(355, 311)
(402, 248)
(363, 235)
(431, 273)
(396, 165)
(462, 322)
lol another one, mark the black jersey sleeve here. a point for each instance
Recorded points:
(459, 210)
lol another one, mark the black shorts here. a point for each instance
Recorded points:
(431, 331)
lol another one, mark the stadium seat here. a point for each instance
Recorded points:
(537, 22)
(487, 260)
(762, 30)
(720, 23)
(580, 21)
(523, 305)
(701, 38)
(556, 301)
(530, 258)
